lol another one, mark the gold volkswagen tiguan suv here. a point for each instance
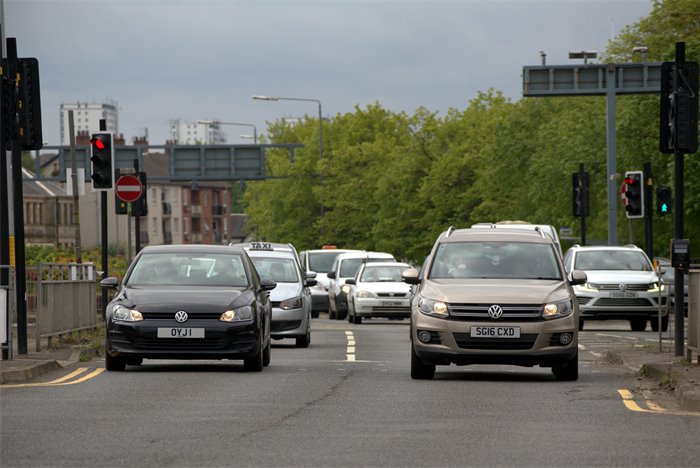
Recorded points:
(494, 296)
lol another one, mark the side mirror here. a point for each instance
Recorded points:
(311, 275)
(112, 282)
(578, 277)
(410, 276)
(350, 281)
(331, 275)
(266, 284)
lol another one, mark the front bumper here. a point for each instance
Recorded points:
(538, 344)
(221, 340)
(601, 306)
(372, 307)
(291, 323)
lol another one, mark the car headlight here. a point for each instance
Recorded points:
(655, 287)
(237, 315)
(590, 286)
(433, 308)
(293, 303)
(126, 315)
(364, 294)
(346, 289)
(558, 309)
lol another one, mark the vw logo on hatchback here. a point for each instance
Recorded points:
(181, 316)
(495, 311)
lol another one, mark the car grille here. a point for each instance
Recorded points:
(465, 341)
(622, 302)
(511, 312)
(406, 309)
(583, 300)
(397, 294)
(187, 344)
(170, 315)
(629, 287)
(284, 325)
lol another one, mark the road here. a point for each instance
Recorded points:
(347, 400)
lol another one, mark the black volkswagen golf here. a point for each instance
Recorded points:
(189, 302)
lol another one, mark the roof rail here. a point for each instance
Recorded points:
(537, 228)
(450, 230)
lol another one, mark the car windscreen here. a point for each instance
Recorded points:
(349, 266)
(612, 260)
(194, 269)
(507, 260)
(378, 274)
(321, 262)
(281, 270)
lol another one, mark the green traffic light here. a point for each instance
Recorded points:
(664, 208)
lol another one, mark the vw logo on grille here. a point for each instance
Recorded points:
(181, 316)
(495, 311)
(622, 286)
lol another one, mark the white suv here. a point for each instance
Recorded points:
(320, 262)
(344, 267)
(621, 285)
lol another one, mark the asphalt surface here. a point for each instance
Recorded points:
(642, 356)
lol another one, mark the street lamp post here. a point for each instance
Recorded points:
(218, 122)
(320, 126)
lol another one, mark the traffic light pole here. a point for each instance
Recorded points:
(648, 212)
(105, 238)
(678, 221)
(583, 195)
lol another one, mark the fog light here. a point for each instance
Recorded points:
(565, 338)
(424, 336)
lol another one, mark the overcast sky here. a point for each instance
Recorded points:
(204, 59)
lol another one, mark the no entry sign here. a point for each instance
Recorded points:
(128, 188)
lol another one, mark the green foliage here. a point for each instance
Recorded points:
(392, 181)
(116, 260)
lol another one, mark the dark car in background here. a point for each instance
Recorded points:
(189, 302)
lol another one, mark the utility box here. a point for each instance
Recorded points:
(693, 314)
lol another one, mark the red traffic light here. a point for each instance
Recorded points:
(97, 142)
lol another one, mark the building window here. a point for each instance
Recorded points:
(154, 225)
(154, 194)
(176, 226)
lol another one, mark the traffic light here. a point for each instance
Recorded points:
(664, 200)
(580, 198)
(633, 194)
(679, 108)
(102, 157)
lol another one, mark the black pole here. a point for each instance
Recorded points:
(137, 214)
(18, 215)
(678, 219)
(584, 196)
(648, 210)
(105, 237)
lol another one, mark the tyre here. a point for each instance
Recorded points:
(314, 313)
(356, 319)
(638, 324)
(350, 317)
(655, 323)
(266, 353)
(568, 371)
(419, 369)
(113, 363)
(305, 340)
(580, 325)
(255, 363)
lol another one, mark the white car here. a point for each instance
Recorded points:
(320, 262)
(345, 267)
(378, 291)
(621, 285)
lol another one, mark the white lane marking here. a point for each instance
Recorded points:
(350, 351)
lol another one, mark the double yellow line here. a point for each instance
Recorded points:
(65, 380)
(628, 400)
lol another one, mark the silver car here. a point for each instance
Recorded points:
(291, 299)
(494, 296)
(621, 285)
(378, 291)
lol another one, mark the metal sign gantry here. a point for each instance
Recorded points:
(596, 80)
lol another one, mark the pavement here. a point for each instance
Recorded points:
(662, 370)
